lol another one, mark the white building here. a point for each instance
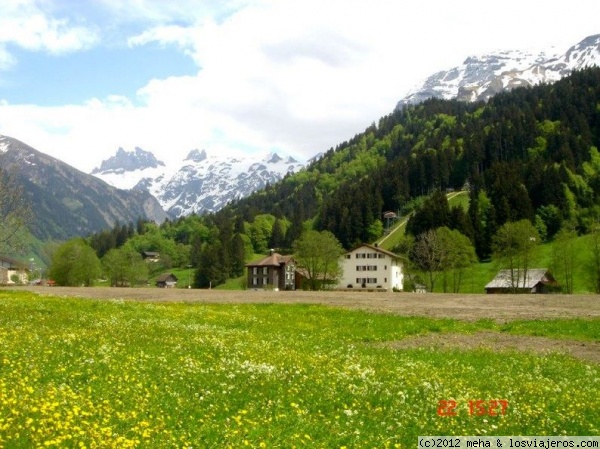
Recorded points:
(11, 270)
(368, 266)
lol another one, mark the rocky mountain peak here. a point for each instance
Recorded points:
(124, 161)
(196, 156)
(203, 184)
(273, 158)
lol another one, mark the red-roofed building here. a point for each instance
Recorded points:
(275, 272)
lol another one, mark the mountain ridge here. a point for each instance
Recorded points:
(67, 202)
(480, 77)
(201, 183)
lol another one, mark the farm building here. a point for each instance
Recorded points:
(168, 280)
(151, 256)
(538, 280)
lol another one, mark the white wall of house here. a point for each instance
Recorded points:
(7, 275)
(370, 267)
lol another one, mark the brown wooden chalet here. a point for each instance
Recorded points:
(275, 272)
(168, 280)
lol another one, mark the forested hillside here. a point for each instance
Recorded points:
(528, 152)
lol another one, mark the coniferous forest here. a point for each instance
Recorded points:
(528, 152)
(531, 153)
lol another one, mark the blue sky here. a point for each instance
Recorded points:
(53, 80)
(80, 78)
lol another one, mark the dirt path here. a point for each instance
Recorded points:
(501, 308)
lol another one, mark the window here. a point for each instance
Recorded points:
(254, 281)
(348, 256)
(255, 270)
(372, 268)
(265, 281)
(381, 256)
(265, 270)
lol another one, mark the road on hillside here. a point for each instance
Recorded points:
(501, 308)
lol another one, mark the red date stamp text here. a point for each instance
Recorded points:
(474, 407)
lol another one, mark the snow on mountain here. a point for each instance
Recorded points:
(125, 169)
(201, 183)
(4, 144)
(480, 77)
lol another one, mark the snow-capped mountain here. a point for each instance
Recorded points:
(201, 183)
(126, 168)
(480, 77)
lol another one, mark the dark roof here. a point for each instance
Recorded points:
(13, 262)
(166, 277)
(272, 260)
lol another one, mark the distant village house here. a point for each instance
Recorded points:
(369, 266)
(275, 272)
(151, 256)
(166, 281)
(12, 271)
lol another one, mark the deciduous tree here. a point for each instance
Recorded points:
(513, 246)
(75, 263)
(125, 267)
(593, 267)
(428, 256)
(563, 258)
(318, 253)
(458, 254)
(15, 213)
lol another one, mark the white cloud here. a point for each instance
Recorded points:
(299, 76)
(25, 25)
(7, 60)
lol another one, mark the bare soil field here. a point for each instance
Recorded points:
(501, 308)
(588, 351)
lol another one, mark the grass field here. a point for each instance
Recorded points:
(113, 373)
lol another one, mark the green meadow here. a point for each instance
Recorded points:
(77, 373)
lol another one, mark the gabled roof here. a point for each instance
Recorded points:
(9, 262)
(534, 277)
(376, 248)
(166, 277)
(150, 253)
(272, 260)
